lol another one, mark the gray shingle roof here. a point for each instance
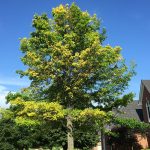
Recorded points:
(133, 110)
(146, 83)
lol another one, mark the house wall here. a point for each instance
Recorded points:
(142, 143)
(146, 95)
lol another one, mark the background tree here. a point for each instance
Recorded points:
(13, 136)
(67, 64)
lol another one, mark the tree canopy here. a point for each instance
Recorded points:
(68, 63)
(72, 73)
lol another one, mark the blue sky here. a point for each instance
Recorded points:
(127, 23)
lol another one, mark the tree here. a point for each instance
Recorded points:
(46, 135)
(13, 136)
(68, 64)
(45, 124)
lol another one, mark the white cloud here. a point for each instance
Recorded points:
(6, 83)
(3, 92)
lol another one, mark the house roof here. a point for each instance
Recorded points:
(146, 83)
(132, 110)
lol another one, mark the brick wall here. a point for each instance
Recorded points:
(146, 95)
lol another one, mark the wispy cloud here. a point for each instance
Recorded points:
(3, 92)
(10, 83)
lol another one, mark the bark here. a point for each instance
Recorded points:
(70, 138)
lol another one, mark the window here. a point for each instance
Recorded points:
(148, 109)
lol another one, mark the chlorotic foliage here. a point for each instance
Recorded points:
(46, 134)
(44, 110)
(67, 62)
(32, 113)
(72, 74)
(51, 117)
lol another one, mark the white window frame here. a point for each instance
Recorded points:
(148, 109)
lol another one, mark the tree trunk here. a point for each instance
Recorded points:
(70, 139)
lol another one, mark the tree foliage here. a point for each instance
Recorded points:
(67, 62)
(46, 134)
(132, 124)
(32, 112)
(124, 133)
(72, 74)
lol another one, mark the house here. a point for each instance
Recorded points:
(132, 110)
(139, 110)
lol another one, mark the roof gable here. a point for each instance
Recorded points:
(146, 83)
(132, 110)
